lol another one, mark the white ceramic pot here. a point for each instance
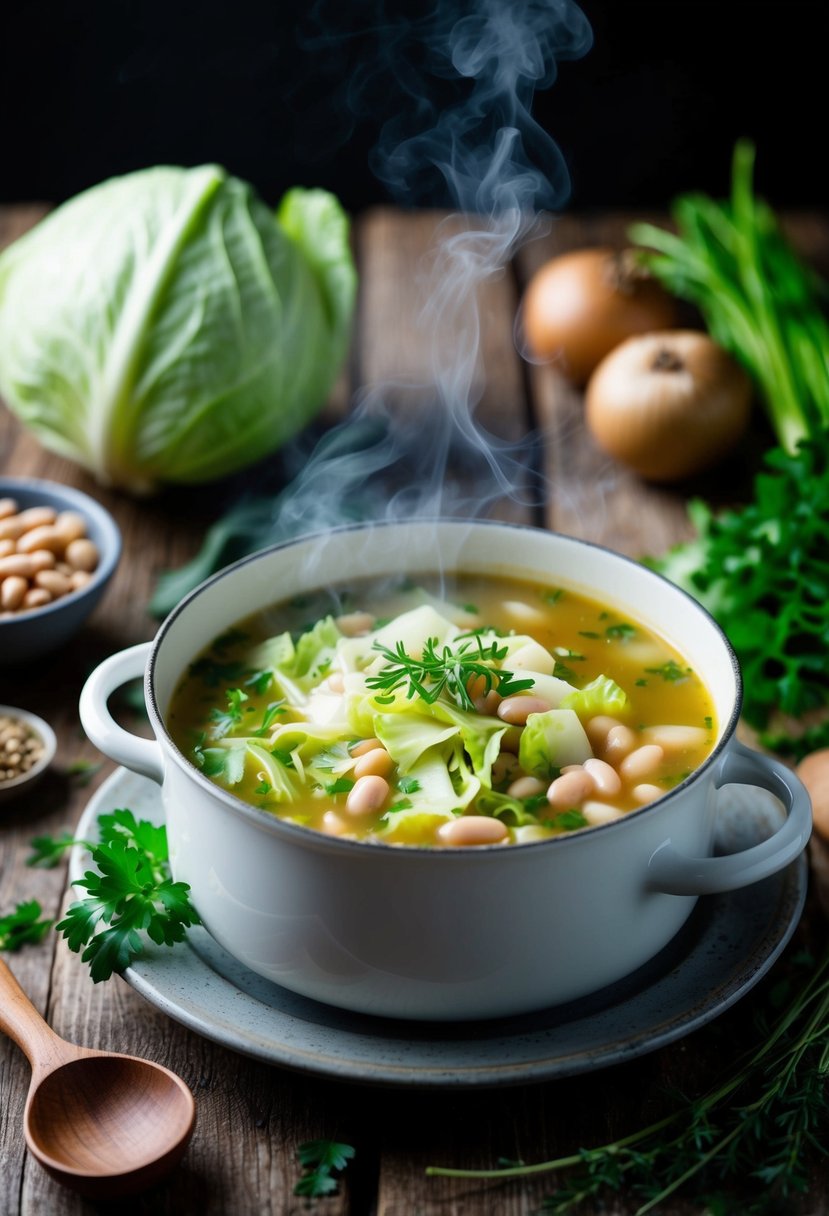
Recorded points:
(454, 933)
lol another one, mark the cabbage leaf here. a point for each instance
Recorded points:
(438, 788)
(600, 696)
(299, 667)
(406, 736)
(552, 740)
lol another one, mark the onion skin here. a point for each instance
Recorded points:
(581, 305)
(813, 771)
(669, 404)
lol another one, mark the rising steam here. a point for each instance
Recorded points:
(501, 168)
(461, 85)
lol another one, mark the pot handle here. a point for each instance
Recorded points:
(139, 755)
(672, 872)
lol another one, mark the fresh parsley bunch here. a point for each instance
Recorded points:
(129, 893)
(763, 573)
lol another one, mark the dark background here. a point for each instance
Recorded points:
(96, 87)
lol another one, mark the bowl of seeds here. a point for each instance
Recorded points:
(27, 748)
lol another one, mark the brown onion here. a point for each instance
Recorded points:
(579, 306)
(813, 771)
(668, 404)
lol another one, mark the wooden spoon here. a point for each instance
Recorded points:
(99, 1122)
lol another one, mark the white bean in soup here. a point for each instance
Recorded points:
(376, 712)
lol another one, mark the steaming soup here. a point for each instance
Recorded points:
(487, 712)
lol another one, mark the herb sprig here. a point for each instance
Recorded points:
(320, 1159)
(130, 893)
(761, 1122)
(48, 851)
(24, 926)
(446, 669)
(224, 721)
(81, 772)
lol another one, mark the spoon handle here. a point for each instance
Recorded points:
(21, 1021)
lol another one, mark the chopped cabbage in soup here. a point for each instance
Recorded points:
(493, 713)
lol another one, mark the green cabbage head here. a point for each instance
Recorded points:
(167, 326)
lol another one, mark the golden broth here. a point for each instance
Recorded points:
(304, 752)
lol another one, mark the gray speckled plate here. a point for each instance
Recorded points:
(728, 944)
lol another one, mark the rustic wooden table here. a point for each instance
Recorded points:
(251, 1116)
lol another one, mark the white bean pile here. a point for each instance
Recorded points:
(44, 555)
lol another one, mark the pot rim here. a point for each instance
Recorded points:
(311, 838)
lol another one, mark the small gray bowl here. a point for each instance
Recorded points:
(26, 635)
(23, 783)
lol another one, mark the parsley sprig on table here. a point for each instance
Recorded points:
(448, 669)
(763, 1122)
(48, 851)
(319, 1159)
(81, 772)
(24, 926)
(130, 893)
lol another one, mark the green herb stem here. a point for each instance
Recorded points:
(704, 1160)
(764, 1138)
(446, 670)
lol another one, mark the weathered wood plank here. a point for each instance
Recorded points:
(590, 495)
(435, 342)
